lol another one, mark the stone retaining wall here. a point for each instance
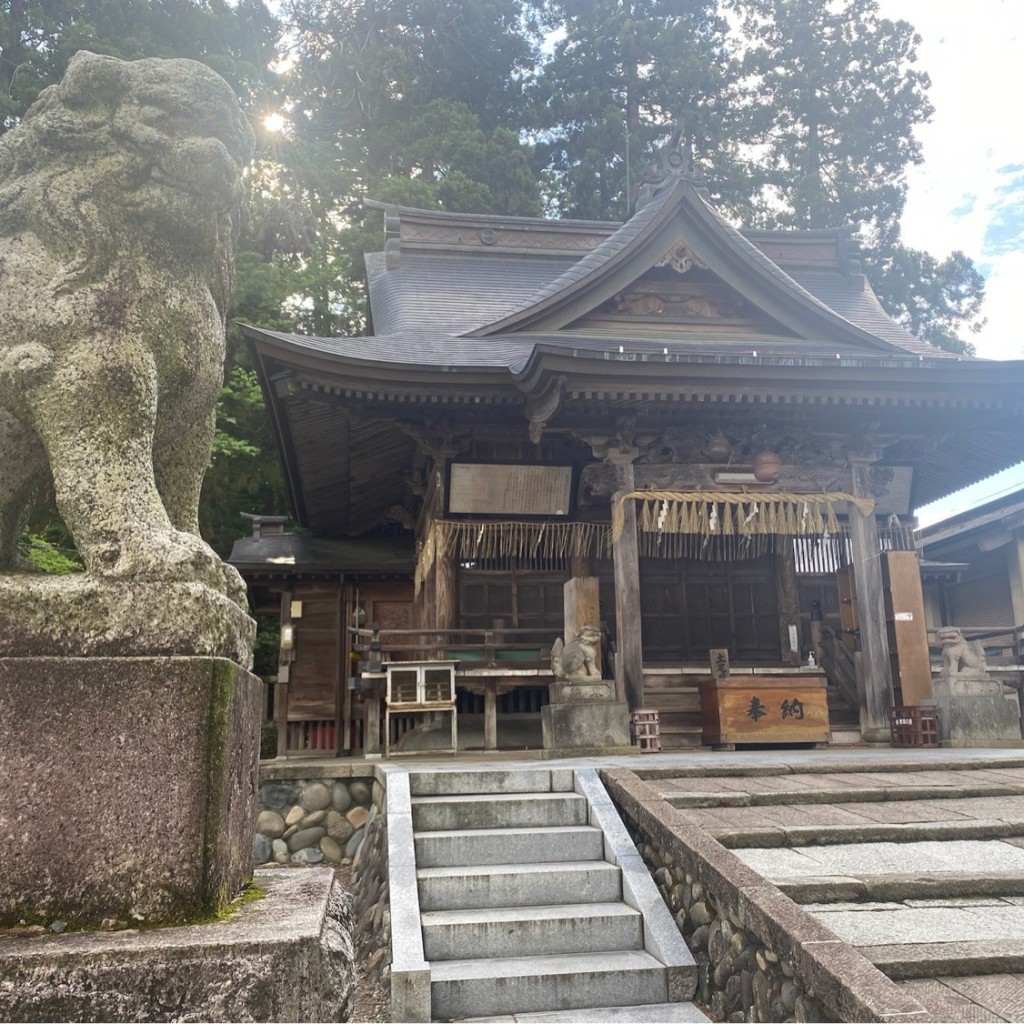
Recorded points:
(313, 821)
(761, 956)
(338, 820)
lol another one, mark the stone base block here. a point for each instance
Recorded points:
(78, 615)
(586, 691)
(285, 957)
(127, 787)
(974, 713)
(574, 726)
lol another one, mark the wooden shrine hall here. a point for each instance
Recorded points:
(721, 428)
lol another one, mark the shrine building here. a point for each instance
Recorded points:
(718, 433)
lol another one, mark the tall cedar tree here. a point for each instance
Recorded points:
(833, 97)
(621, 75)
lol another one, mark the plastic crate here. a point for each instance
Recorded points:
(645, 730)
(914, 725)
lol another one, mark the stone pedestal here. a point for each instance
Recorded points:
(974, 713)
(286, 956)
(584, 716)
(127, 787)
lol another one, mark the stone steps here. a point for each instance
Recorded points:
(505, 810)
(525, 984)
(492, 933)
(452, 847)
(520, 863)
(510, 885)
(650, 1013)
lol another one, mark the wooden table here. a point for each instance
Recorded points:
(753, 708)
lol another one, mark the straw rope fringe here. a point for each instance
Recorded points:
(482, 540)
(729, 513)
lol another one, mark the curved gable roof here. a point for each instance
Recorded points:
(680, 213)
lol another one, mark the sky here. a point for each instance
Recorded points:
(969, 192)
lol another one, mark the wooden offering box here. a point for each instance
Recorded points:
(747, 708)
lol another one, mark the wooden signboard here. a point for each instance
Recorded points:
(764, 709)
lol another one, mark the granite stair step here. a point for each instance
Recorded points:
(651, 1013)
(490, 782)
(514, 985)
(500, 932)
(453, 847)
(509, 810)
(467, 887)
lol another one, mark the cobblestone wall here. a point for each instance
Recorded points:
(741, 978)
(761, 956)
(313, 821)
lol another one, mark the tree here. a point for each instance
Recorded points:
(936, 301)
(621, 75)
(834, 97)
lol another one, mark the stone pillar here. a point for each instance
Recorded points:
(867, 568)
(629, 661)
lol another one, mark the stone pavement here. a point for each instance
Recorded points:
(914, 857)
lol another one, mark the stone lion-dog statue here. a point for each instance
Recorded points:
(119, 195)
(959, 655)
(579, 659)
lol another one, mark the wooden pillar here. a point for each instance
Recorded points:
(1015, 562)
(788, 598)
(629, 659)
(490, 715)
(371, 727)
(284, 667)
(581, 605)
(867, 568)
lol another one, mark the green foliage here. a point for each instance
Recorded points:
(833, 98)
(934, 300)
(48, 557)
(624, 74)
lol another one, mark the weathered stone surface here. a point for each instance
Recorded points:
(307, 856)
(330, 849)
(340, 797)
(271, 824)
(294, 816)
(280, 849)
(316, 797)
(112, 331)
(586, 726)
(316, 818)
(159, 755)
(286, 957)
(261, 848)
(357, 816)
(339, 828)
(86, 616)
(352, 846)
(277, 797)
(305, 837)
(362, 791)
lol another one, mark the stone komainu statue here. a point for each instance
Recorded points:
(118, 196)
(961, 656)
(580, 658)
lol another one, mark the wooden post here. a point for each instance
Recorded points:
(444, 593)
(490, 715)
(285, 659)
(1015, 561)
(581, 604)
(867, 568)
(788, 599)
(371, 728)
(904, 608)
(629, 662)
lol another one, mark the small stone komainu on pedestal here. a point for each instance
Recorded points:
(583, 713)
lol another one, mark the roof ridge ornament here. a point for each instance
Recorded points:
(672, 161)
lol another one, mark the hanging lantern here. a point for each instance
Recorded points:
(718, 447)
(767, 467)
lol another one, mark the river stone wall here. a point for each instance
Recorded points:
(313, 821)
(761, 957)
